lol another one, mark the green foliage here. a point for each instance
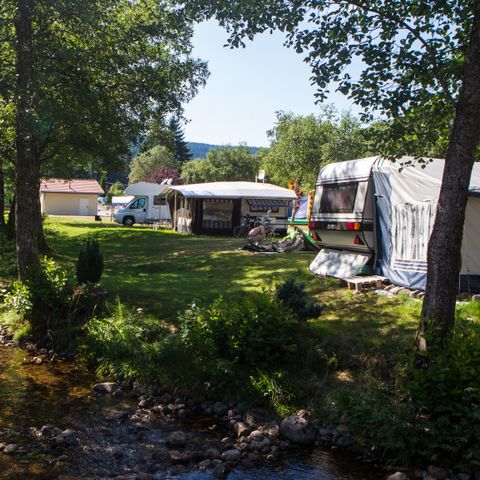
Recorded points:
(145, 163)
(115, 190)
(271, 387)
(18, 299)
(254, 332)
(124, 344)
(222, 164)
(293, 295)
(433, 414)
(90, 262)
(301, 145)
(132, 63)
(8, 264)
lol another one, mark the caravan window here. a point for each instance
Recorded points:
(338, 197)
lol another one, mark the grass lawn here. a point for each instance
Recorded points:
(163, 271)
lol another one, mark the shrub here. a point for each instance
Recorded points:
(253, 332)
(433, 414)
(90, 262)
(127, 345)
(293, 295)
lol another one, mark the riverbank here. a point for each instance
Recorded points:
(66, 430)
(350, 366)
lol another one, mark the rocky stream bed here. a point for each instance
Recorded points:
(56, 423)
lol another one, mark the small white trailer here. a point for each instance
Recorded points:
(148, 205)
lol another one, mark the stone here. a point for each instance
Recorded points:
(67, 437)
(145, 403)
(221, 471)
(437, 472)
(342, 428)
(166, 398)
(213, 453)
(175, 457)
(106, 388)
(249, 419)
(232, 455)
(463, 476)
(257, 435)
(220, 408)
(297, 430)
(11, 448)
(204, 464)
(476, 298)
(177, 439)
(397, 476)
(271, 429)
(240, 429)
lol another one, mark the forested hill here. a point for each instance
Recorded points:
(200, 150)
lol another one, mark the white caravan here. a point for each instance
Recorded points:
(148, 205)
(376, 213)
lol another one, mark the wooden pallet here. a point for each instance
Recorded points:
(360, 283)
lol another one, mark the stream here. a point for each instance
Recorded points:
(113, 438)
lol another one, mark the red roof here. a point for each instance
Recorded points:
(61, 185)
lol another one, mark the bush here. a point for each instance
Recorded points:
(433, 414)
(293, 295)
(90, 262)
(127, 345)
(252, 332)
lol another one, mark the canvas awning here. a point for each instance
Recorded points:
(233, 190)
(258, 202)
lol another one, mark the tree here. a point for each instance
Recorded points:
(158, 176)
(222, 164)
(83, 79)
(303, 144)
(145, 163)
(170, 135)
(181, 151)
(421, 60)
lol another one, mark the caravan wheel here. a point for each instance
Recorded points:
(129, 221)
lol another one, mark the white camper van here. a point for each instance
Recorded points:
(147, 206)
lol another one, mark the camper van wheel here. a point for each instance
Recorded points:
(128, 221)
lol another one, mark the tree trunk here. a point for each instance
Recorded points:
(444, 249)
(27, 185)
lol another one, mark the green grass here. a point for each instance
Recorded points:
(163, 271)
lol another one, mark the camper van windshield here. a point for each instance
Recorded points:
(338, 197)
(138, 203)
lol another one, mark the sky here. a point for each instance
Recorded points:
(246, 87)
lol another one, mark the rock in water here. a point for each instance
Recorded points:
(177, 439)
(106, 387)
(297, 430)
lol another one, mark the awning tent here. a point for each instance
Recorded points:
(216, 207)
(406, 197)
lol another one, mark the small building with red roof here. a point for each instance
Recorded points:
(59, 196)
